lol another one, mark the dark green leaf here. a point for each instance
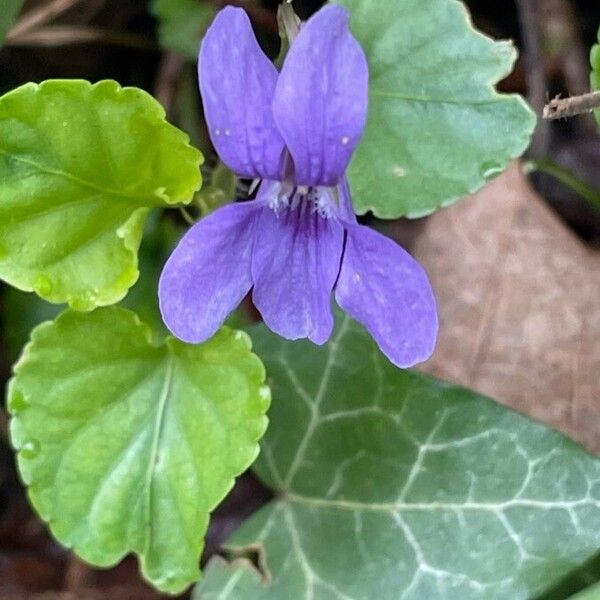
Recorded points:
(591, 593)
(395, 485)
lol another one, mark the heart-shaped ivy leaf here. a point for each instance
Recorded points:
(397, 486)
(80, 167)
(437, 129)
(126, 446)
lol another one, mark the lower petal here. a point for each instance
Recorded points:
(295, 264)
(387, 290)
(208, 274)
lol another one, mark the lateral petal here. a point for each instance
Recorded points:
(209, 272)
(385, 289)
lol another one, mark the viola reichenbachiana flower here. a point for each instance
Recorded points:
(299, 240)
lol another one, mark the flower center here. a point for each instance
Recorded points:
(286, 196)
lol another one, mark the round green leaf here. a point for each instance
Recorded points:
(126, 446)
(437, 129)
(397, 486)
(182, 23)
(80, 167)
(595, 76)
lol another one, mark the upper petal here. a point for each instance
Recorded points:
(321, 97)
(387, 290)
(208, 274)
(237, 82)
(295, 263)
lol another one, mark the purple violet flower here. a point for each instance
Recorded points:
(299, 240)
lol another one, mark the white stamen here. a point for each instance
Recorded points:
(279, 197)
(217, 132)
(323, 202)
(345, 140)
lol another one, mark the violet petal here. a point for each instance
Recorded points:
(321, 98)
(208, 274)
(388, 291)
(295, 264)
(237, 82)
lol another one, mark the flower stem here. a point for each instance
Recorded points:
(187, 217)
(290, 21)
(565, 176)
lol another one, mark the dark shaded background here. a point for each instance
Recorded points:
(31, 564)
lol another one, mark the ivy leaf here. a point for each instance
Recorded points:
(437, 130)
(591, 593)
(595, 76)
(182, 24)
(396, 485)
(126, 446)
(81, 165)
(10, 10)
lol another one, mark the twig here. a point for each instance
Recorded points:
(560, 108)
(40, 16)
(62, 35)
(563, 41)
(565, 176)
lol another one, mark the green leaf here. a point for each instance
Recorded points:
(9, 12)
(591, 593)
(396, 485)
(576, 581)
(437, 130)
(81, 165)
(182, 24)
(160, 238)
(126, 446)
(595, 75)
(219, 191)
(22, 312)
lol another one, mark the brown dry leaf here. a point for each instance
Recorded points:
(519, 303)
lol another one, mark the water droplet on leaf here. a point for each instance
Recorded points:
(30, 449)
(43, 285)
